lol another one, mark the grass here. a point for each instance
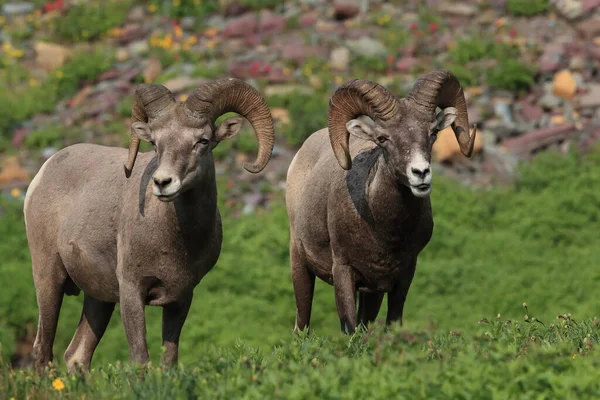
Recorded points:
(527, 7)
(504, 359)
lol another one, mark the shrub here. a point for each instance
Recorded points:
(527, 7)
(308, 113)
(511, 75)
(88, 21)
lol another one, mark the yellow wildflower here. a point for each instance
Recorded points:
(192, 40)
(287, 71)
(58, 384)
(338, 79)
(210, 44)
(16, 53)
(178, 31)
(307, 70)
(32, 82)
(183, 97)
(176, 3)
(167, 41)
(574, 356)
(15, 192)
(59, 74)
(197, 2)
(6, 47)
(2, 20)
(30, 17)
(152, 8)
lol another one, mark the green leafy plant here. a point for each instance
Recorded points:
(511, 75)
(527, 7)
(83, 22)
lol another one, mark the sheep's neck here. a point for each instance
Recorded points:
(196, 208)
(393, 207)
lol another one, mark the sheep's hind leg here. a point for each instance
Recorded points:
(369, 305)
(174, 316)
(95, 317)
(304, 288)
(345, 297)
(49, 279)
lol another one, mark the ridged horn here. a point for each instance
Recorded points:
(233, 95)
(442, 89)
(148, 101)
(351, 100)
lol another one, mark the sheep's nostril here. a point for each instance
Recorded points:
(162, 182)
(421, 173)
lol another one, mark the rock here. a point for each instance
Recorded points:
(270, 22)
(531, 112)
(577, 63)
(446, 147)
(299, 52)
(48, 152)
(500, 128)
(550, 61)
(339, 59)
(503, 110)
(569, 9)
(243, 26)
(11, 170)
(309, 19)
(407, 63)
(549, 101)
(182, 82)
(365, 46)
(152, 70)
(590, 28)
(138, 47)
(188, 23)
(235, 9)
(50, 56)
(590, 99)
(458, 9)
(345, 9)
(122, 54)
(80, 96)
(590, 5)
(17, 8)
(286, 90)
(136, 14)
(564, 84)
(280, 114)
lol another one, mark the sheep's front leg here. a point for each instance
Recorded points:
(345, 297)
(397, 297)
(132, 300)
(174, 316)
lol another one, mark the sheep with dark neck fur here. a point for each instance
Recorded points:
(361, 227)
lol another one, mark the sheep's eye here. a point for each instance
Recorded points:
(381, 139)
(202, 142)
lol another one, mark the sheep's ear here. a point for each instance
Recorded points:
(360, 128)
(228, 128)
(142, 130)
(444, 119)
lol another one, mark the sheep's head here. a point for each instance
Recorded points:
(184, 134)
(405, 129)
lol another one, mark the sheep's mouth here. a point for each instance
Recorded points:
(421, 190)
(167, 197)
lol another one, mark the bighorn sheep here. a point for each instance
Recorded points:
(362, 226)
(119, 239)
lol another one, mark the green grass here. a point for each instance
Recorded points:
(504, 359)
(527, 7)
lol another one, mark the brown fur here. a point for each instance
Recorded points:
(92, 229)
(361, 227)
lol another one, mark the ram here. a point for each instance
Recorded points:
(361, 227)
(146, 237)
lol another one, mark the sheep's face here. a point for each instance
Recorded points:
(406, 143)
(184, 149)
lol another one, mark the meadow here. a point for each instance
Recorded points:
(466, 332)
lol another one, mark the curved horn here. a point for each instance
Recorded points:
(148, 101)
(351, 100)
(233, 95)
(442, 89)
